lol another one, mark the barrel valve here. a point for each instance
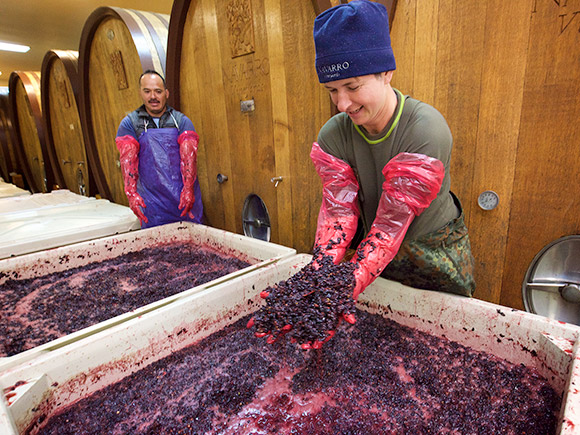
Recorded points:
(571, 293)
(258, 223)
(221, 178)
(81, 182)
(276, 180)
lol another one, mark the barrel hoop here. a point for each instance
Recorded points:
(6, 142)
(69, 60)
(48, 62)
(163, 19)
(158, 27)
(147, 34)
(31, 83)
(174, 42)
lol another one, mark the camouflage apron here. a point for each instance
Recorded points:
(440, 260)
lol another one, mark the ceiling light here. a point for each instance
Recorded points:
(6, 46)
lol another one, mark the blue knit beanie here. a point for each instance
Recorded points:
(352, 40)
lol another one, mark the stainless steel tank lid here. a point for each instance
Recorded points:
(551, 286)
(255, 218)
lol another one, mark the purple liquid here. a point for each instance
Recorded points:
(376, 377)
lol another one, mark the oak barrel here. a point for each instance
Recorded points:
(7, 152)
(60, 88)
(26, 114)
(116, 46)
(243, 71)
(506, 78)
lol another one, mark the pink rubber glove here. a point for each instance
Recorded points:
(338, 215)
(129, 157)
(412, 181)
(188, 141)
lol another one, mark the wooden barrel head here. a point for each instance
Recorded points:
(244, 73)
(60, 87)
(26, 113)
(117, 45)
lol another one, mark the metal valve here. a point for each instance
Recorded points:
(221, 178)
(81, 182)
(276, 180)
(258, 223)
(65, 162)
(571, 293)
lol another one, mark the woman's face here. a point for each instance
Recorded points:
(364, 99)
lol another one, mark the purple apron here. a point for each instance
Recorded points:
(160, 181)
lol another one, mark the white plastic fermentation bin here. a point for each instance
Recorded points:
(46, 220)
(8, 190)
(62, 376)
(255, 252)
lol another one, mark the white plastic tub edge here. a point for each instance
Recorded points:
(258, 252)
(71, 373)
(47, 220)
(9, 190)
(104, 248)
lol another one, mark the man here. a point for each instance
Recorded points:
(388, 143)
(158, 155)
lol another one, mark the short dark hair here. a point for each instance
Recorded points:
(152, 71)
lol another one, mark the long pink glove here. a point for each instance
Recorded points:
(412, 181)
(129, 157)
(338, 215)
(188, 141)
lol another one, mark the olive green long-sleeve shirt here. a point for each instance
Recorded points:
(415, 127)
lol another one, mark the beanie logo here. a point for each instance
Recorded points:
(333, 69)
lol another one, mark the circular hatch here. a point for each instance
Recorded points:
(255, 218)
(552, 283)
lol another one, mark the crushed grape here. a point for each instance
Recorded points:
(377, 377)
(312, 301)
(37, 310)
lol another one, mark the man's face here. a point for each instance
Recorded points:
(363, 99)
(153, 94)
